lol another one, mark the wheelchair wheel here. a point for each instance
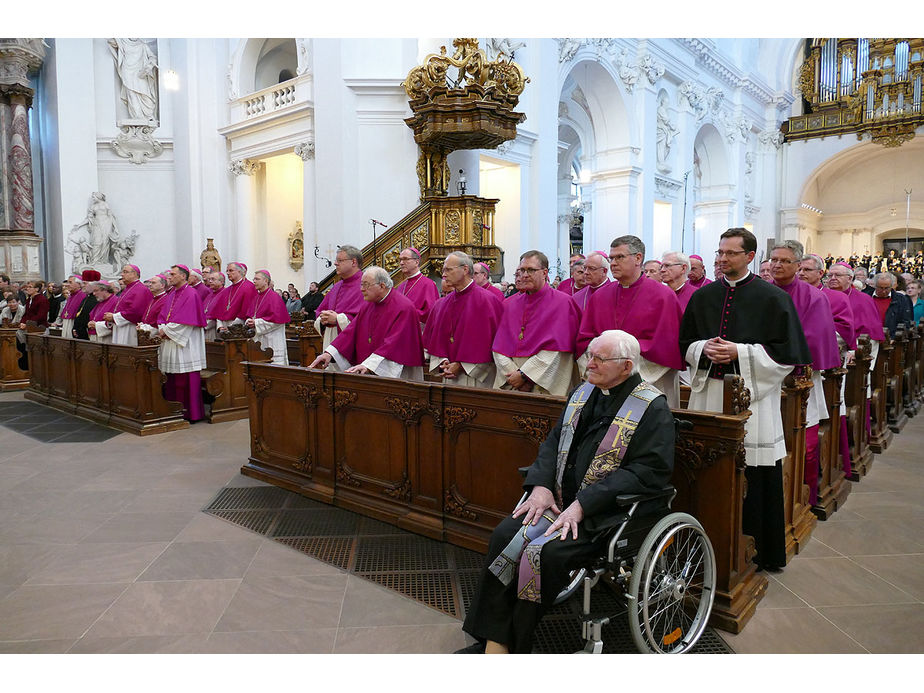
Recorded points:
(672, 586)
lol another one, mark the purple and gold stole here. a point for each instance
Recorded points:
(608, 457)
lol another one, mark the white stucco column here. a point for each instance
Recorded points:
(314, 269)
(244, 192)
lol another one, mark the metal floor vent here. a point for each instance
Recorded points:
(440, 575)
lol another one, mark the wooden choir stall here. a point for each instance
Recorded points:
(223, 379)
(12, 377)
(443, 461)
(115, 385)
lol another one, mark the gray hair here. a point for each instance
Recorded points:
(819, 263)
(621, 345)
(379, 276)
(352, 252)
(795, 247)
(265, 274)
(680, 257)
(634, 243)
(160, 280)
(103, 285)
(465, 260)
(888, 275)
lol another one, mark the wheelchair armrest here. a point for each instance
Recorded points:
(630, 498)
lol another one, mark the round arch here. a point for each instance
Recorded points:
(711, 168)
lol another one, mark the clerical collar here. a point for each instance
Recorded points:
(413, 275)
(637, 279)
(734, 283)
(384, 297)
(459, 291)
(680, 287)
(605, 281)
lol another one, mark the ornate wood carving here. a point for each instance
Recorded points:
(304, 463)
(345, 475)
(238, 331)
(696, 454)
(458, 415)
(146, 338)
(342, 399)
(307, 394)
(535, 427)
(455, 504)
(258, 385)
(406, 410)
(400, 491)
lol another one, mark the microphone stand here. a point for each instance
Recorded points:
(375, 256)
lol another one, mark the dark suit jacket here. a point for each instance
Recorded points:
(899, 311)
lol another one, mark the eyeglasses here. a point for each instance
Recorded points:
(619, 258)
(527, 270)
(837, 274)
(671, 264)
(729, 253)
(781, 262)
(596, 358)
(367, 285)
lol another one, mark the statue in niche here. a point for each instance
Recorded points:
(137, 68)
(666, 134)
(96, 242)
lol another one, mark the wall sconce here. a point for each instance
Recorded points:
(461, 183)
(171, 80)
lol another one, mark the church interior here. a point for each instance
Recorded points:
(275, 152)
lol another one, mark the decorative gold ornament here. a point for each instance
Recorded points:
(297, 247)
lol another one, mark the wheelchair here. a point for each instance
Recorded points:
(661, 564)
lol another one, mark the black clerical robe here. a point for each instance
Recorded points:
(762, 319)
(496, 613)
(83, 317)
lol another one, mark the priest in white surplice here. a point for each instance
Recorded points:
(129, 308)
(535, 341)
(269, 317)
(343, 300)
(383, 339)
(182, 352)
(743, 325)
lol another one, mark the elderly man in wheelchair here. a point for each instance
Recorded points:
(597, 503)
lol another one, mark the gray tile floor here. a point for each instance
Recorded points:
(104, 548)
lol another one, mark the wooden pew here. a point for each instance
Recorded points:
(855, 400)
(880, 435)
(310, 343)
(12, 377)
(918, 370)
(115, 385)
(442, 460)
(895, 414)
(796, 509)
(223, 378)
(909, 383)
(833, 487)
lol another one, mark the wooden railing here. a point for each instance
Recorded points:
(119, 386)
(442, 461)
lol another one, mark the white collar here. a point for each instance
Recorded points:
(737, 281)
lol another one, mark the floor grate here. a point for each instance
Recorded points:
(48, 425)
(440, 575)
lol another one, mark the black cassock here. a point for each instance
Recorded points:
(496, 613)
(82, 318)
(751, 312)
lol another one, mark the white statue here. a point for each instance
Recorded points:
(96, 242)
(498, 47)
(137, 68)
(666, 134)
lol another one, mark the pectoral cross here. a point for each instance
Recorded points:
(522, 330)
